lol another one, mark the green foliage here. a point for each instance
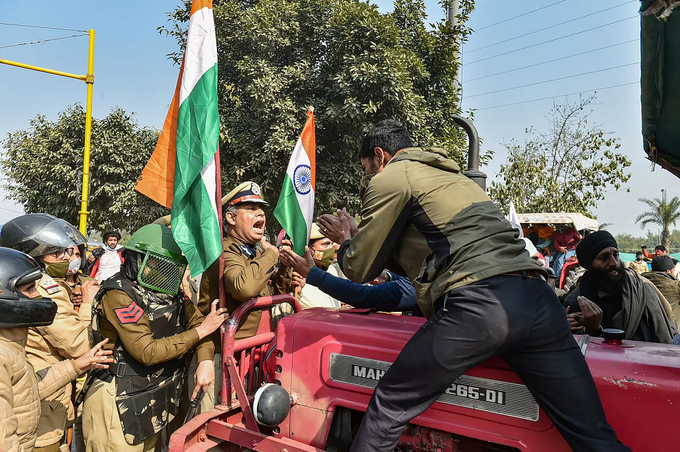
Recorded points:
(355, 65)
(567, 169)
(631, 244)
(663, 213)
(44, 164)
(628, 243)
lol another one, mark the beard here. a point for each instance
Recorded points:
(609, 281)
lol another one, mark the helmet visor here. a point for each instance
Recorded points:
(55, 236)
(26, 312)
(162, 273)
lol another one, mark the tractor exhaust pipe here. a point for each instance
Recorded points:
(473, 171)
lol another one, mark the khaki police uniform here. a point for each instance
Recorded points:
(21, 390)
(640, 266)
(482, 293)
(85, 314)
(101, 420)
(249, 272)
(66, 338)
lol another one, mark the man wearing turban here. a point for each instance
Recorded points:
(628, 302)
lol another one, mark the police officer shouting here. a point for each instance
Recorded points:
(150, 325)
(482, 293)
(249, 270)
(50, 241)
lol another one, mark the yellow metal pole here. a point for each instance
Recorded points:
(88, 134)
(42, 69)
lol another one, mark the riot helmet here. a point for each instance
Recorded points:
(16, 309)
(154, 260)
(38, 234)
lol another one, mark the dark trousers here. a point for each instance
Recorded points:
(516, 318)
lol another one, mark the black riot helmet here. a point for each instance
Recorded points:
(16, 309)
(38, 234)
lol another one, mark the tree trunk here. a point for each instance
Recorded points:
(666, 239)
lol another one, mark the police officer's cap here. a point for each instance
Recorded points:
(316, 234)
(247, 192)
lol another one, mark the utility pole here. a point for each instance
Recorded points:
(452, 16)
(89, 80)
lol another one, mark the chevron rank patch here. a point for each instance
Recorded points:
(130, 314)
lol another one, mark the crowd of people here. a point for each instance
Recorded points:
(605, 292)
(430, 243)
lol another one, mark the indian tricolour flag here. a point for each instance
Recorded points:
(295, 209)
(182, 174)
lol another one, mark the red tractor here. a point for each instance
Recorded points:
(304, 386)
(329, 361)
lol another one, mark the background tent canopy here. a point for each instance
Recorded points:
(579, 220)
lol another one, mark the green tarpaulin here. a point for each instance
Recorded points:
(630, 257)
(660, 82)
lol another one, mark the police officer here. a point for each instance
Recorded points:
(150, 325)
(483, 295)
(21, 307)
(50, 240)
(249, 271)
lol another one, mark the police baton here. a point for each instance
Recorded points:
(193, 405)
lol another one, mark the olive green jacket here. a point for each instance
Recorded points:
(669, 286)
(421, 217)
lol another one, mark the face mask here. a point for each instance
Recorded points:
(57, 270)
(324, 258)
(74, 266)
(111, 248)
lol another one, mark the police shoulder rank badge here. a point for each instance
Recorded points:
(129, 314)
(50, 285)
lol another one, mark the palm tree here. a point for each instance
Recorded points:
(663, 213)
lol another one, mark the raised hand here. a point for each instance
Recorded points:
(95, 358)
(213, 320)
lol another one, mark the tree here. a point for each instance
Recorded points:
(628, 243)
(566, 169)
(355, 65)
(663, 213)
(43, 165)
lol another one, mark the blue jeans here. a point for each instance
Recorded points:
(560, 259)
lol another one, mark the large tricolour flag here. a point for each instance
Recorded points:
(181, 173)
(295, 209)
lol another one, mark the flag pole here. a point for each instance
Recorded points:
(218, 201)
(220, 278)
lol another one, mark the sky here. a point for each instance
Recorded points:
(132, 72)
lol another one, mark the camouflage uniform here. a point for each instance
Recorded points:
(149, 333)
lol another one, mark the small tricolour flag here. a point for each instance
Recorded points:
(295, 209)
(182, 173)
